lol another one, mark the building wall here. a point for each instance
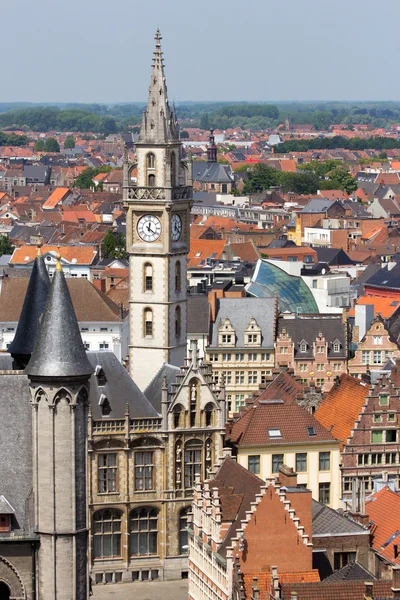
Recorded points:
(17, 560)
(373, 351)
(312, 477)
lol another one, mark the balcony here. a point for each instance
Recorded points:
(183, 192)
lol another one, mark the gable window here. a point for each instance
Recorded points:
(107, 473)
(320, 349)
(148, 322)
(193, 453)
(377, 340)
(253, 464)
(144, 466)
(252, 338)
(148, 277)
(143, 531)
(303, 347)
(107, 534)
(283, 349)
(226, 338)
(336, 346)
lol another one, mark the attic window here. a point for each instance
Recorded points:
(27, 258)
(105, 406)
(274, 433)
(336, 346)
(101, 376)
(197, 255)
(74, 261)
(311, 431)
(303, 347)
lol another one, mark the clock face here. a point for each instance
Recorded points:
(149, 228)
(176, 227)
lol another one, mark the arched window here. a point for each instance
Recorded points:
(178, 322)
(151, 161)
(148, 322)
(209, 415)
(178, 277)
(148, 277)
(151, 180)
(143, 524)
(5, 593)
(173, 169)
(107, 534)
(193, 455)
(193, 403)
(183, 534)
(178, 416)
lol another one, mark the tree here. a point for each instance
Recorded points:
(343, 179)
(85, 179)
(114, 245)
(204, 121)
(51, 145)
(260, 178)
(6, 246)
(39, 146)
(69, 142)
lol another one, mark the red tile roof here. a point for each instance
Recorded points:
(55, 197)
(83, 255)
(383, 509)
(200, 250)
(341, 406)
(292, 420)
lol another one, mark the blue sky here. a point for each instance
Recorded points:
(100, 51)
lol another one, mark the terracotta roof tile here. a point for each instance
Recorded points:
(383, 509)
(384, 306)
(200, 250)
(83, 255)
(55, 197)
(341, 406)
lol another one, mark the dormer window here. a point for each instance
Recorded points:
(336, 346)
(5, 524)
(303, 346)
(226, 338)
(100, 375)
(105, 405)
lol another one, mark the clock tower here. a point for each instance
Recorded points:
(157, 235)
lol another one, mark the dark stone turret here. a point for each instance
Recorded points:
(59, 350)
(23, 343)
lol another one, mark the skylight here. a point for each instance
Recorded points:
(311, 431)
(274, 433)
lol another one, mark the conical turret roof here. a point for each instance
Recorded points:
(34, 303)
(159, 124)
(59, 350)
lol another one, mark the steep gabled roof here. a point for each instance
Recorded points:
(383, 508)
(341, 406)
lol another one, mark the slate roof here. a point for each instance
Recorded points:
(341, 406)
(153, 390)
(293, 292)
(16, 448)
(326, 521)
(5, 506)
(351, 572)
(198, 314)
(308, 328)
(59, 350)
(332, 256)
(293, 422)
(119, 389)
(239, 311)
(317, 205)
(211, 171)
(385, 279)
(283, 387)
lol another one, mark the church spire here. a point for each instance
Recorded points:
(212, 148)
(159, 123)
(59, 350)
(35, 299)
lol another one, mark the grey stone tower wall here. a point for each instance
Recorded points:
(60, 432)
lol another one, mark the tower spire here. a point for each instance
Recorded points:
(212, 148)
(159, 122)
(23, 343)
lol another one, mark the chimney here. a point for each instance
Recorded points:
(396, 579)
(287, 477)
(368, 590)
(212, 300)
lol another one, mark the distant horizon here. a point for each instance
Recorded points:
(243, 101)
